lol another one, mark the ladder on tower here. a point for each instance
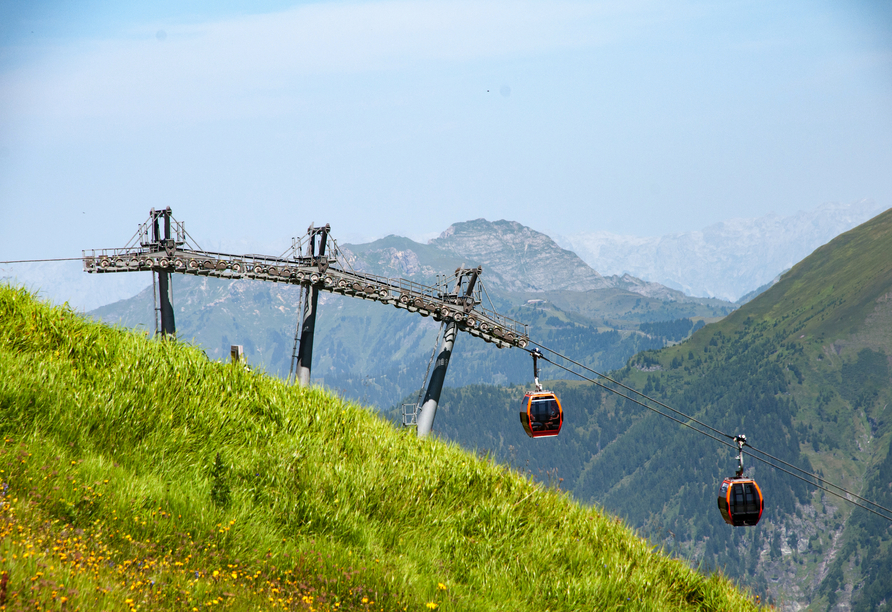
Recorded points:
(292, 371)
(410, 411)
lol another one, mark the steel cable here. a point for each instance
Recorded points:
(719, 440)
(42, 260)
(770, 456)
(616, 382)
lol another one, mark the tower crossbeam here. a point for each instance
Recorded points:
(148, 252)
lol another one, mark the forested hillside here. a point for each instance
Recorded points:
(803, 370)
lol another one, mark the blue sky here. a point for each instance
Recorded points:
(252, 120)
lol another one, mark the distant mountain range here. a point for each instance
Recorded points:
(725, 260)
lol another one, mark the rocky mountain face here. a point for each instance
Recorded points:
(515, 258)
(727, 259)
(518, 258)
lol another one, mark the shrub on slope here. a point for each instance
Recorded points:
(137, 474)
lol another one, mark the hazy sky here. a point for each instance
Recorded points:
(253, 119)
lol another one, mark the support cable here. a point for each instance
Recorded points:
(753, 449)
(294, 250)
(340, 256)
(493, 307)
(717, 439)
(134, 240)
(627, 388)
(815, 476)
(42, 260)
(642, 404)
(191, 240)
(817, 486)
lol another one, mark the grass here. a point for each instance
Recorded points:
(137, 474)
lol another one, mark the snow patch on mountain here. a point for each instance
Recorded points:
(725, 260)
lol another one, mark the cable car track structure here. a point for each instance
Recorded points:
(162, 246)
(331, 274)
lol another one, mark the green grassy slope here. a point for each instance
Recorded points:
(378, 354)
(140, 475)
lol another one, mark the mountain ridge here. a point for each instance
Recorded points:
(63, 281)
(726, 259)
(518, 259)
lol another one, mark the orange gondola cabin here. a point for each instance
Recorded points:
(740, 501)
(541, 414)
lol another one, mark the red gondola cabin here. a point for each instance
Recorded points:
(740, 501)
(541, 414)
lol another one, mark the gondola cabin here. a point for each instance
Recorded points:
(740, 501)
(541, 414)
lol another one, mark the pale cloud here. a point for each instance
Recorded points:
(376, 117)
(252, 65)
